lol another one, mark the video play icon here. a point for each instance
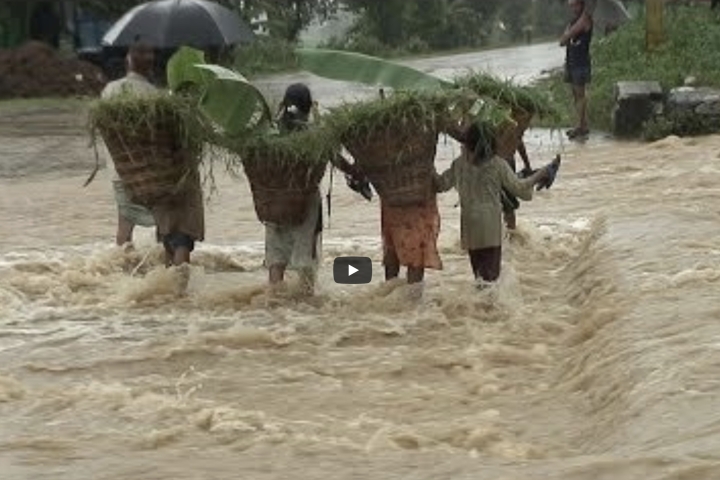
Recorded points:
(352, 270)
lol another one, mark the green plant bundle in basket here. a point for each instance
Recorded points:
(524, 103)
(155, 143)
(285, 171)
(394, 141)
(521, 99)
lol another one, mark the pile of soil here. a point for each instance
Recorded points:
(37, 70)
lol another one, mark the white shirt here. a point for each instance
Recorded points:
(133, 84)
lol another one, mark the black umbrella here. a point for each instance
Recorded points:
(174, 23)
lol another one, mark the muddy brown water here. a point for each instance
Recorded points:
(595, 358)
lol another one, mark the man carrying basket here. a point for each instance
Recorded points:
(179, 215)
(139, 63)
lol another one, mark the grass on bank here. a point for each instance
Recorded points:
(691, 49)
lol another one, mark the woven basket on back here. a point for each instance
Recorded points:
(149, 162)
(399, 162)
(510, 134)
(282, 188)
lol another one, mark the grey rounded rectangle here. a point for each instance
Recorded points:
(352, 270)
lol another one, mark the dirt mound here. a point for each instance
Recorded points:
(37, 70)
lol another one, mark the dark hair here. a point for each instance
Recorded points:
(478, 141)
(142, 56)
(298, 96)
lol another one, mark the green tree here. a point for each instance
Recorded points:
(287, 18)
(383, 19)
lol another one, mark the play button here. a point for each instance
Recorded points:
(352, 270)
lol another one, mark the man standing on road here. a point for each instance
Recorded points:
(576, 40)
(139, 61)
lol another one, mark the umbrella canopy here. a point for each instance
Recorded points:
(173, 23)
(607, 13)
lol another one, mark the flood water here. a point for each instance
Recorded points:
(596, 357)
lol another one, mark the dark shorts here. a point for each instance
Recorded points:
(173, 241)
(578, 76)
(486, 263)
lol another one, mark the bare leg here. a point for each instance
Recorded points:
(415, 274)
(307, 281)
(581, 105)
(392, 265)
(276, 274)
(124, 231)
(180, 256)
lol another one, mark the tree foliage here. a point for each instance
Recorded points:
(440, 24)
(286, 18)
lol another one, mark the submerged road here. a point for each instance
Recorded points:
(521, 63)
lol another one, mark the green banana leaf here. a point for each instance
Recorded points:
(359, 68)
(234, 103)
(182, 69)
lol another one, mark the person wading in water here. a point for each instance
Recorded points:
(479, 175)
(297, 246)
(139, 62)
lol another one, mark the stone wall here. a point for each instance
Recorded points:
(642, 109)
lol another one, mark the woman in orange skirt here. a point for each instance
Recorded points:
(409, 235)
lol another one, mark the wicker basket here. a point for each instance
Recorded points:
(399, 162)
(282, 189)
(508, 138)
(150, 163)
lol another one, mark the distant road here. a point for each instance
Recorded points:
(522, 63)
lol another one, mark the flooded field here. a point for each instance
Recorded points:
(595, 358)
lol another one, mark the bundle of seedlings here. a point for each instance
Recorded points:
(284, 163)
(156, 142)
(284, 170)
(393, 141)
(524, 103)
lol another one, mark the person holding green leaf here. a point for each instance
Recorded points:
(298, 246)
(480, 175)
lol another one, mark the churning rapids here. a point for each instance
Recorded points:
(596, 358)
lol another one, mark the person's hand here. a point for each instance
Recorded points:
(527, 172)
(360, 185)
(564, 40)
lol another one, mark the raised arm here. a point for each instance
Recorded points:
(344, 166)
(524, 155)
(583, 24)
(521, 188)
(446, 180)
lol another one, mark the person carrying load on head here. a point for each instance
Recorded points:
(511, 144)
(297, 246)
(178, 217)
(139, 62)
(409, 237)
(479, 176)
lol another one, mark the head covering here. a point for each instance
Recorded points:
(296, 107)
